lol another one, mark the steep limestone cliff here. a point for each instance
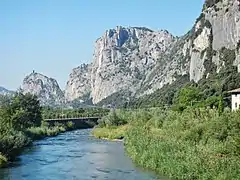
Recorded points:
(122, 59)
(138, 61)
(79, 84)
(47, 89)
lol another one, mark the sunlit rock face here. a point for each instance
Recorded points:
(138, 61)
(45, 88)
(79, 84)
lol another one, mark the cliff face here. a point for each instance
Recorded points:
(138, 61)
(79, 84)
(123, 57)
(216, 35)
(47, 89)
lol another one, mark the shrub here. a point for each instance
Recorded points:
(112, 119)
(3, 160)
(194, 144)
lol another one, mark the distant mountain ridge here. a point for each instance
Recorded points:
(131, 62)
(4, 91)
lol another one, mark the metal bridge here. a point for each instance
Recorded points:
(79, 121)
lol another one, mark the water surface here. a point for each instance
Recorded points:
(74, 156)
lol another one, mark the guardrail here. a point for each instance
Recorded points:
(74, 118)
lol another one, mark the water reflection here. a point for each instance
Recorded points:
(74, 155)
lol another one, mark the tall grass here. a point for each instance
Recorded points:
(111, 133)
(194, 144)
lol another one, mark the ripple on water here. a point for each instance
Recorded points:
(75, 156)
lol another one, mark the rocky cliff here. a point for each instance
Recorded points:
(137, 61)
(47, 89)
(79, 85)
(122, 59)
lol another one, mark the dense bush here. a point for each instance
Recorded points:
(17, 113)
(112, 119)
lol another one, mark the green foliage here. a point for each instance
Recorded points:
(111, 133)
(11, 141)
(228, 56)
(118, 99)
(3, 160)
(161, 97)
(16, 115)
(197, 143)
(43, 131)
(187, 96)
(112, 119)
(21, 123)
(25, 111)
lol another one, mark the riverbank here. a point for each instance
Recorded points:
(74, 155)
(12, 144)
(22, 122)
(194, 144)
(113, 133)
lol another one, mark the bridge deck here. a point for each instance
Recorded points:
(76, 118)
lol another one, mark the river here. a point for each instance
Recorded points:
(74, 155)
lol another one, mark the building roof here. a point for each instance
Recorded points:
(235, 90)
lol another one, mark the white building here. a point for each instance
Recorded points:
(235, 99)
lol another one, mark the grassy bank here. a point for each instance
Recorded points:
(193, 144)
(113, 126)
(111, 133)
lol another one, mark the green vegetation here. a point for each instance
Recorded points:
(197, 143)
(161, 97)
(216, 85)
(3, 160)
(36, 133)
(21, 122)
(193, 138)
(16, 115)
(111, 133)
(113, 126)
(119, 99)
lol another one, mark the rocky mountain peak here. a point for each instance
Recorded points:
(47, 89)
(134, 61)
(79, 84)
(122, 57)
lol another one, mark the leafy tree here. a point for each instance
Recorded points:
(25, 110)
(188, 96)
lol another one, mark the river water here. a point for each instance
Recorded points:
(74, 156)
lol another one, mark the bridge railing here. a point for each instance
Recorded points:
(69, 116)
(73, 118)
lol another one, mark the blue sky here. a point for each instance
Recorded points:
(54, 36)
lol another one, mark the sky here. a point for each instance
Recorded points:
(54, 36)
